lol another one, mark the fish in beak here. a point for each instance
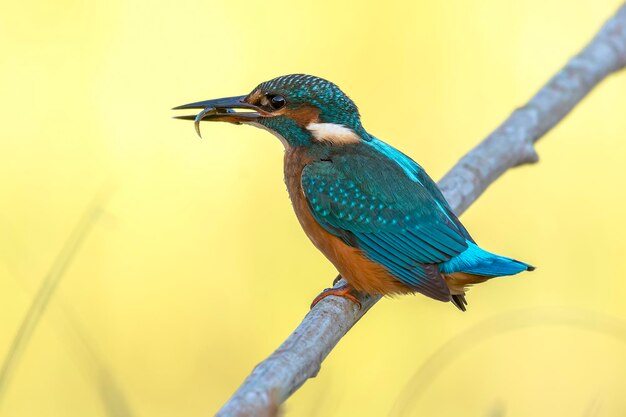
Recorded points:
(229, 109)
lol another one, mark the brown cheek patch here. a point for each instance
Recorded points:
(303, 115)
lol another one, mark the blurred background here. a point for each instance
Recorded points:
(192, 267)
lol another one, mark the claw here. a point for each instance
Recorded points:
(345, 291)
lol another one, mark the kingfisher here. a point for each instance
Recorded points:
(369, 208)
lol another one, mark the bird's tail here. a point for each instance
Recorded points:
(477, 261)
(473, 266)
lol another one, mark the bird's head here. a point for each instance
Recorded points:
(301, 110)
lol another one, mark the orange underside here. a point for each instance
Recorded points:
(363, 274)
(458, 282)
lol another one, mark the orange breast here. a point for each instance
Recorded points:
(364, 275)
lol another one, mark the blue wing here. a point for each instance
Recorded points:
(474, 260)
(371, 203)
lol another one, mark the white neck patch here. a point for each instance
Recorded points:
(333, 133)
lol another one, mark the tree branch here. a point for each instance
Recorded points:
(510, 145)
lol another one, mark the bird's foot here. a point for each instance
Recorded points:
(345, 291)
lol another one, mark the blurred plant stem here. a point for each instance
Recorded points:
(47, 289)
(112, 396)
(494, 326)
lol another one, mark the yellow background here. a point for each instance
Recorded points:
(197, 268)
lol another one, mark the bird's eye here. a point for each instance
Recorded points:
(276, 101)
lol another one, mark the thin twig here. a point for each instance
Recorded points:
(46, 290)
(113, 397)
(510, 145)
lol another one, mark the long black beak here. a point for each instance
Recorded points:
(221, 110)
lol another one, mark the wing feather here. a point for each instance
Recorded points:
(372, 204)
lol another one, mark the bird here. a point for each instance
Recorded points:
(370, 209)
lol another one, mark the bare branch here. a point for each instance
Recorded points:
(510, 145)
